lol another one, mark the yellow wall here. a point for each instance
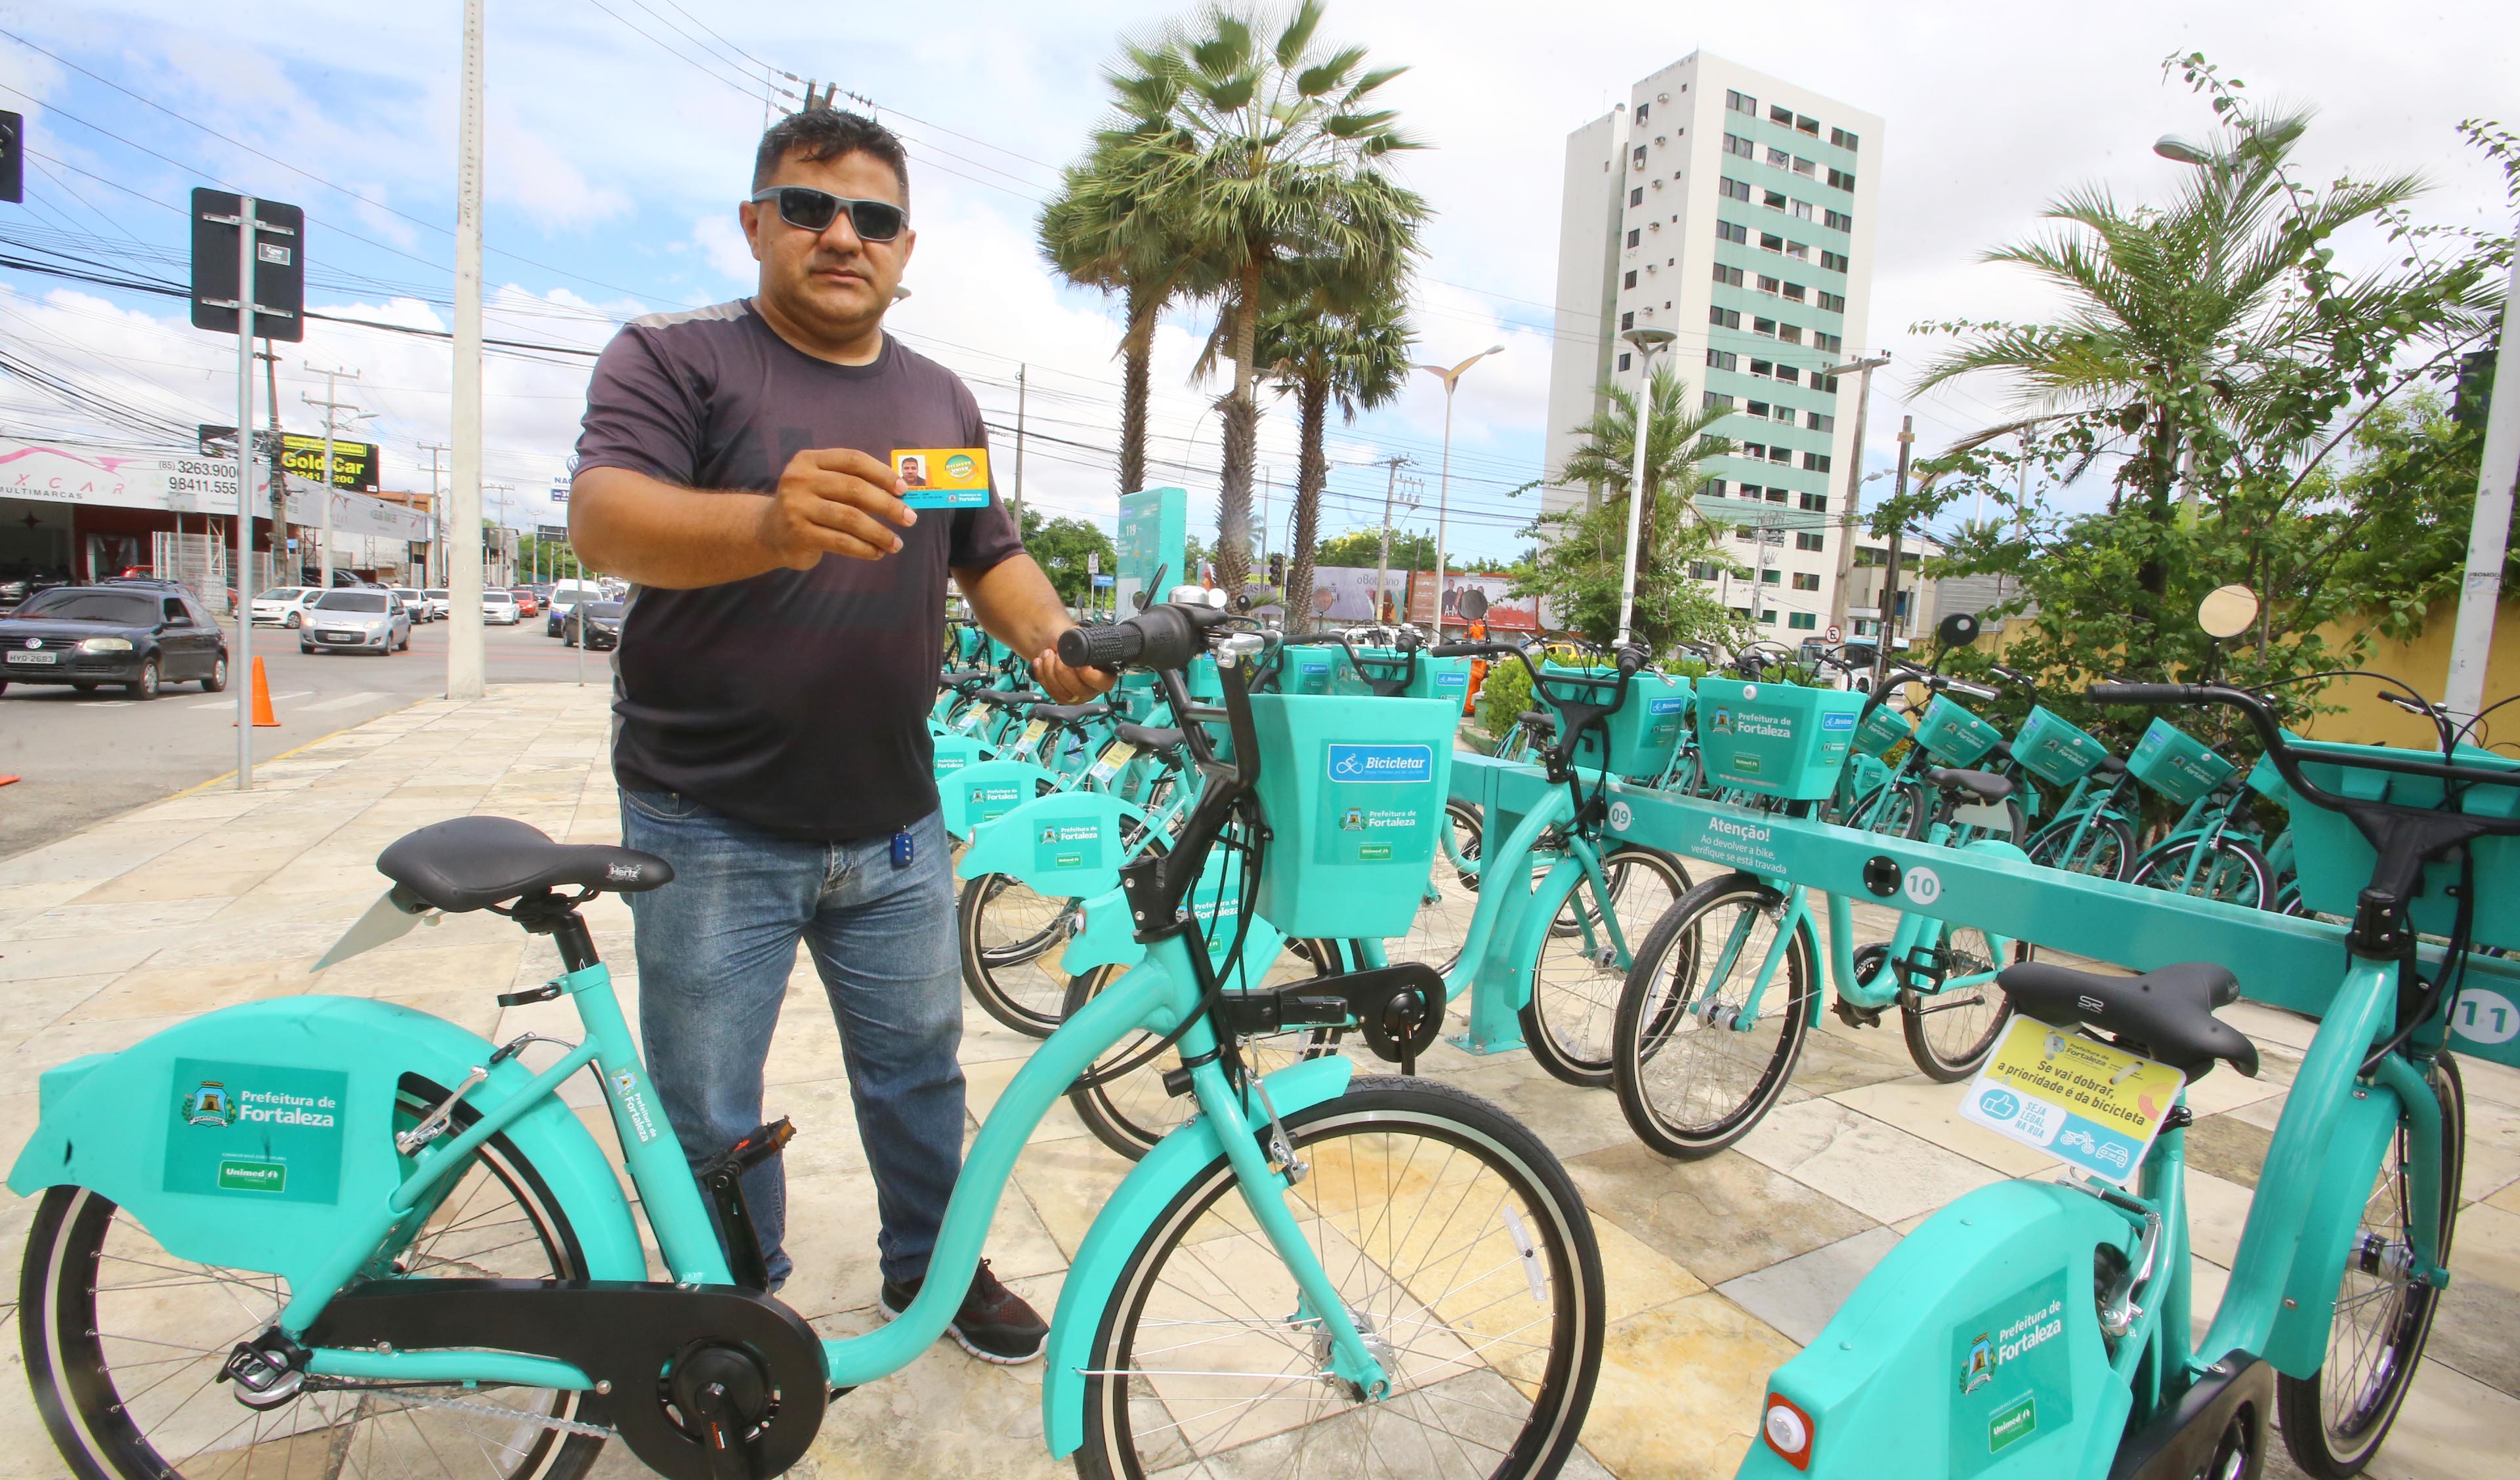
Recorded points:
(2424, 664)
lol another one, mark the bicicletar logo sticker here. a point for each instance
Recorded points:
(2011, 1375)
(1377, 802)
(255, 1131)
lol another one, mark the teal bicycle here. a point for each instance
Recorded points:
(329, 1235)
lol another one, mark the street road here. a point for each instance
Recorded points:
(86, 756)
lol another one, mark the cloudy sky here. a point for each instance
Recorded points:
(620, 133)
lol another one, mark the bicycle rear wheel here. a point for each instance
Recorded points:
(1459, 1247)
(1567, 1024)
(2335, 1420)
(1691, 1079)
(1452, 894)
(2106, 850)
(1904, 811)
(123, 1343)
(2230, 870)
(1950, 1031)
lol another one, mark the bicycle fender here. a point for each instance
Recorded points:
(1103, 1256)
(1065, 845)
(1974, 1348)
(2297, 1345)
(260, 1136)
(988, 789)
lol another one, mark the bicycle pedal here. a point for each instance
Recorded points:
(264, 1377)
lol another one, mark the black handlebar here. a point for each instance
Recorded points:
(1163, 635)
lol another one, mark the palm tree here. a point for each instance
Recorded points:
(1258, 155)
(1679, 436)
(1356, 354)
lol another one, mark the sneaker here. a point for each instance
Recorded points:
(994, 1324)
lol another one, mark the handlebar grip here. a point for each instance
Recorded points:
(2145, 694)
(1100, 646)
(1460, 650)
(1973, 691)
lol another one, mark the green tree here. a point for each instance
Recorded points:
(1060, 547)
(1362, 549)
(1258, 155)
(1349, 344)
(1579, 567)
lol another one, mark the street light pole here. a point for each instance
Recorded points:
(1862, 368)
(1888, 632)
(1382, 559)
(1646, 340)
(466, 658)
(1452, 378)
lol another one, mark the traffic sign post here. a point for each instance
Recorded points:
(248, 262)
(1834, 635)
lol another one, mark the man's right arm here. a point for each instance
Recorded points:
(835, 501)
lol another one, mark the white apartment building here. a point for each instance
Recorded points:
(1735, 211)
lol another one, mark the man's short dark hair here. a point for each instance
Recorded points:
(827, 133)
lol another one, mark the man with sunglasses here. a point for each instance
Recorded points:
(777, 661)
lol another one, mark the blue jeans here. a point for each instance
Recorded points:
(715, 949)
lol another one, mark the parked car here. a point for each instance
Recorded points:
(140, 634)
(440, 601)
(499, 609)
(565, 595)
(283, 606)
(527, 604)
(356, 619)
(22, 580)
(598, 624)
(414, 603)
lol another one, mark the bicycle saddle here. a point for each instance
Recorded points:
(2001, 752)
(2109, 765)
(1147, 737)
(1538, 719)
(1985, 786)
(1009, 697)
(1065, 713)
(470, 862)
(2166, 1013)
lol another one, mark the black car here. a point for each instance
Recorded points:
(602, 621)
(140, 634)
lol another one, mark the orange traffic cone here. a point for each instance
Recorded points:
(263, 718)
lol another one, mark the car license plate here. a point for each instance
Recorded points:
(342, 637)
(35, 657)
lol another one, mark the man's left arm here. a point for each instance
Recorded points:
(1017, 605)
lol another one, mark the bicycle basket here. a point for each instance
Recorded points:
(1952, 735)
(1308, 668)
(1777, 740)
(1882, 730)
(2055, 750)
(1431, 678)
(1355, 794)
(2177, 764)
(1643, 730)
(2335, 860)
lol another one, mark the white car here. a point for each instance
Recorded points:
(563, 596)
(356, 619)
(440, 602)
(283, 606)
(414, 603)
(499, 608)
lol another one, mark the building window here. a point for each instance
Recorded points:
(1637, 197)
(1640, 110)
(1773, 199)
(1803, 166)
(1842, 179)
(1637, 156)
(1813, 420)
(1815, 502)
(1778, 495)
(1721, 318)
(1802, 124)
(1783, 412)
(1725, 231)
(1784, 455)
(1750, 490)
(1779, 158)
(1794, 291)
(1841, 138)
(1830, 342)
(1769, 241)
(1729, 276)
(1780, 114)
(1741, 103)
(1839, 220)
(1735, 144)
(1714, 398)
(1762, 368)
(1759, 409)
(1623, 360)
(1722, 359)
(1798, 251)
(1731, 189)
(1815, 462)
(1754, 451)
(1766, 327)
(1831, 302)
(1766, 284)
(1803, 621)
(1790, 334)
(1789, 375)
(1634, 236)
(1834, 261)
(1772, 577)
(1802, 211)
(1629, 282)
(1715, 487)
(1701, 571)
(1807, 540)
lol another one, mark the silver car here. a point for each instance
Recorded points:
(355, 620)
(414, 603)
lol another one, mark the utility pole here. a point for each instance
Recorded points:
(1862, 368)
(333, 408)
(1019, 441)
(279, 482)
(465, 658)
(436, 513)
(1382, 561)
(1889, 631)
(2488, 532)
(248, 229)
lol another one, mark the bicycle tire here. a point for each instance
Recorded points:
(1435, 934)
(2108, 847)
(1529, 1241)
(1131, 1110)
(1908, 812)
(2393, 1342)
(1568, 1021)
(1654, 1045)
(2233, 861)
(71, 1318)
(1951, 1060)
(1015, 980)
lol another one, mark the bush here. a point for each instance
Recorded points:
(1505, 693)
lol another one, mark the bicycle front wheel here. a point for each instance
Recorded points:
(2335, 1420)
(1459, 1247)
(2106, 849)
(1577, 972)
(1696, 1059)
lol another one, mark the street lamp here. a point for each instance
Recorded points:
(2178, 150)
(1444, 495)
(1646, 340)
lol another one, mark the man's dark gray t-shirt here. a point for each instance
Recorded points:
(795, 701)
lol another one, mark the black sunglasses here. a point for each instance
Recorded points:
(809, 209)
